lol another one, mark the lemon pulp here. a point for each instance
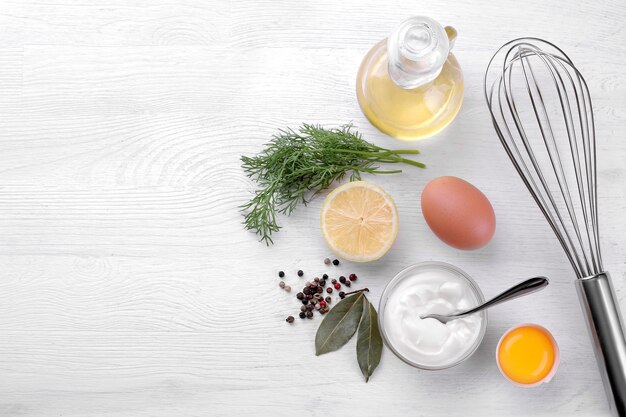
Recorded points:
(359, 221)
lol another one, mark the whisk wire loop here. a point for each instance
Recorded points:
(542, 112)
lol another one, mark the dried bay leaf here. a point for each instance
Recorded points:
(369, 344)
(339, 324)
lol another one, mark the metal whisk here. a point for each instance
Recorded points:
(542, 112)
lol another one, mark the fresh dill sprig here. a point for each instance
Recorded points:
(297, 165)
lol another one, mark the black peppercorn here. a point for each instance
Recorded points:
(316, 279)
(347, 283)
(309, 315)
(310, 307)
(300, 273)
(333, 281)
(281, 274)
(302, 314)
(309, 296)
(328, 300)
(322, 282)
(342, 279)
(342, 295)
(300, 296)
(329, 290)
(290, 319)
(306, 290)
(336, 262)
(325, 276)
(305, 301)
(302, 308)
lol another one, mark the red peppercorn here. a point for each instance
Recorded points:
(352, 277)
(322, 303)
(329, 290)
(337, 286)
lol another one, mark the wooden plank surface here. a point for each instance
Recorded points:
(128, 285)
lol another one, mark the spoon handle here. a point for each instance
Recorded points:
(525, 287)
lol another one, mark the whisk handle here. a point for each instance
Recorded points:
(605, 327)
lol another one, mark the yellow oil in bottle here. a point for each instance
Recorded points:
(410, 113)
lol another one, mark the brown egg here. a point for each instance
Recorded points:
(458, 213)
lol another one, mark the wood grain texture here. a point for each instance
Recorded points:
(129, 287)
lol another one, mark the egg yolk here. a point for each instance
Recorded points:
(527, 354)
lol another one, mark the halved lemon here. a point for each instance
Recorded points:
(359, 221)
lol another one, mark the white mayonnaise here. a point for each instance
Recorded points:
(428, 342)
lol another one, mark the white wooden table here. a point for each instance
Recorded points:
(128, 285)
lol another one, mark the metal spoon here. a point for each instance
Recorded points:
(525, 287)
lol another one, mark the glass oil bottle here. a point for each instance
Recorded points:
(410, 86)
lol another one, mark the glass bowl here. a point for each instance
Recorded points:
(423, 267)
